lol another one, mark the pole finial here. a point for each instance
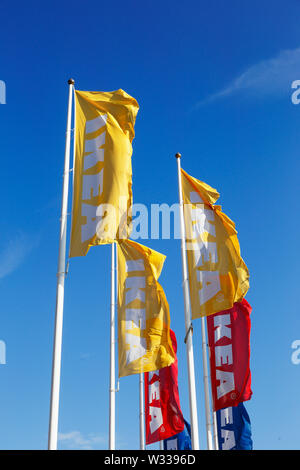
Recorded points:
(71, 81)
(177, 155)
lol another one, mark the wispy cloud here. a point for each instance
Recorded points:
(14, 253)
(268, 78)
(77, 441)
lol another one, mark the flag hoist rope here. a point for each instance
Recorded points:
(187, 315)
(61, 272)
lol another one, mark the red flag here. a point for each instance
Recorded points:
(163, 415)
(229, 344)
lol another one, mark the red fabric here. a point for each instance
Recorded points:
(229, 345)
(163, 416)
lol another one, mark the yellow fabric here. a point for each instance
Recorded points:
(218, 276)
(143, 311)
(102, 194)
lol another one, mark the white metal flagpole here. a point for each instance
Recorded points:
(61, 273)
(188, 323)
(209, 428)
(215, 431)
(142, 412)
(112, 390)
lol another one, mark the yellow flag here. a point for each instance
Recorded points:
(102, 195)
(218, 276)
(143, 312)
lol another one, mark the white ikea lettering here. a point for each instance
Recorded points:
(94, 215)
(98, 219)
(227, 435)
(154, 391)
(220, 322)
(92, 185)
(135, 265)
(96, 154)
(137, 345)
(172, 444)
(195, 198)
(152, 374)
(93, 158)
(135, 284)
(226, 382)
(223, 355)
(210, 285)
(206, 252)
(226, 416)
(135, 317)
(201, 219)
(156, 418)
(92, 146)
(94, 124)
(228, 439)
(155, 413)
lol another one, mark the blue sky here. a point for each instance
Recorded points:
(213, 82)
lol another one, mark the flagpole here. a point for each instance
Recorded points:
(216, 442)
(215, 426)
(142, 412)
(214, 415)
(188, 322)
(61, 273)
(112, 390)
(209, 430)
